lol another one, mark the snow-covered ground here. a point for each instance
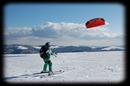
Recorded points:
(79, 67)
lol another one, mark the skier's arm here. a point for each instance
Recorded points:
(49, 52)
(52, 53)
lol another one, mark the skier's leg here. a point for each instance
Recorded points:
(45, 64)
(50, 68)
(50, 65)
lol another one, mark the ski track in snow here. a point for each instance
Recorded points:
(79, 67)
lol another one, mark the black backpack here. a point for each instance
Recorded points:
(43, 52)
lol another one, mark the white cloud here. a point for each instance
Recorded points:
(17, 32)
(106, 23)
(52, 31)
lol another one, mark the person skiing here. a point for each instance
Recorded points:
(46, 58)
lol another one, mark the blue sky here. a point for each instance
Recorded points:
(26, 23)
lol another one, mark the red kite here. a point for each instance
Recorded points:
(95, 22)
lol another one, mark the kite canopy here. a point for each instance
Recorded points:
(95, 22)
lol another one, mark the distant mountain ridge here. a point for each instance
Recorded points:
(30, 49)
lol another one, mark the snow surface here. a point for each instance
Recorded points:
(79, 67)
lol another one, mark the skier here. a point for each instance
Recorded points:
(46, 58)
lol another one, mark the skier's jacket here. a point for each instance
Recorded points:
(45, 52)
(42, 51)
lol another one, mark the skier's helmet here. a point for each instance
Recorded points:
(47, 44)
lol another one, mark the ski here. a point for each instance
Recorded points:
(56, 72)
(49, 74)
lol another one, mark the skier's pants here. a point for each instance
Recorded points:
(47, 62)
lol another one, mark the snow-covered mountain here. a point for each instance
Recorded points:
(112, 48)
(28, 49)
